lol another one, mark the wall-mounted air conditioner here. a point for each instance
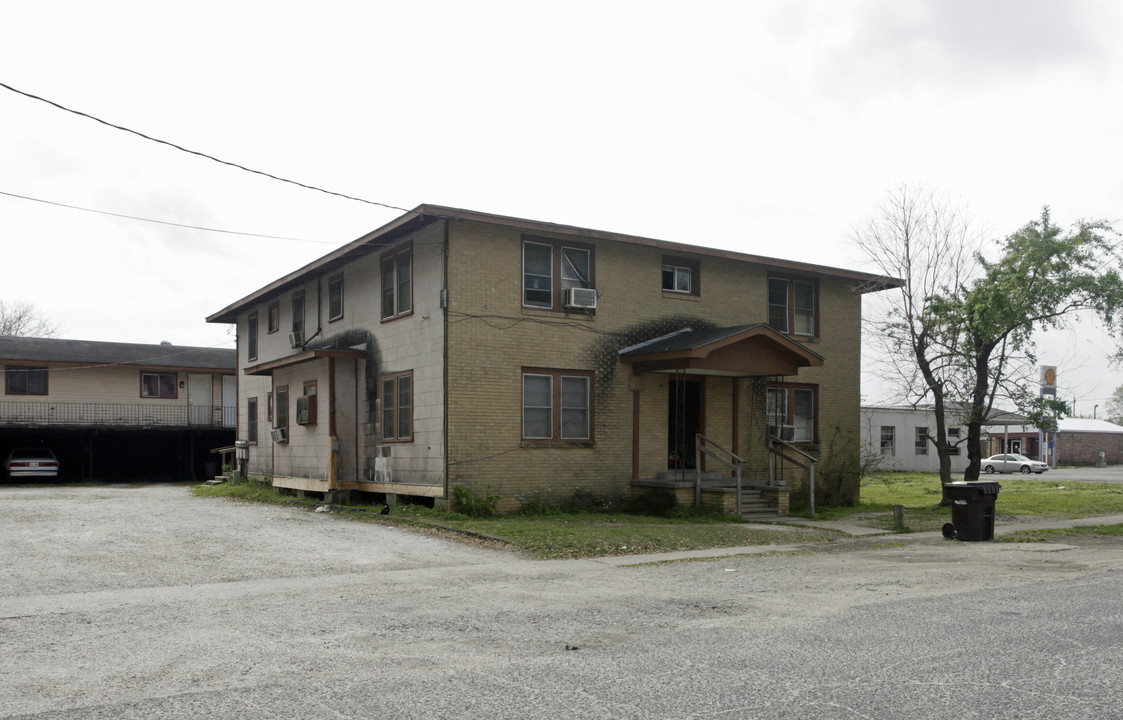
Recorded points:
(279, 435)
(583, 298)
(782, 432)
(296, 340)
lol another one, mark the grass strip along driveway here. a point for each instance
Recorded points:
(558, 534)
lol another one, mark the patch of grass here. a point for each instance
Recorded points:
(560, 534)
(1051, 534)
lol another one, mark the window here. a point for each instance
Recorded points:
(557, 404)
(298, 315)
(25, 380)
(888, 440)
(281, 407)
(397, 407)
(791, 306)
(680, 275)
(269, 407)
(306, 406)
(158, 385)
(550, 268)
(397, 283)
(335, 298)
(251, 420)
(921, 442)
(795, 406)
(251, 337)
(953, 441)
(274, 318)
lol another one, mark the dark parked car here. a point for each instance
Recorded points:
(31, 462)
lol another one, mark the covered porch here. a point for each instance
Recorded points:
(701, 425)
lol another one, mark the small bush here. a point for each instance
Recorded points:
(468, 502)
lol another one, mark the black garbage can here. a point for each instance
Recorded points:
(972, 509)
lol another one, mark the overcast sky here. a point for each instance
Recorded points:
(763, 127)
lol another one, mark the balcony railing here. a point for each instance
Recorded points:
(118, 415)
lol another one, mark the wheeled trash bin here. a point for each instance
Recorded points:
(972, 509)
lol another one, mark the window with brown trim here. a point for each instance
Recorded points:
(793, 305)
(335, 297)
(274, 317)
(269, 407)
(397, 283)
(550, 267)
(298, 315)
(158, 385)
(797, 406)
(25, 380)
(557, 404)
(397, 407)
(251, 421)
(251, 336)
(680, 275)
(281, 407)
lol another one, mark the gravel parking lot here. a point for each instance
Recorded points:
(143, 601)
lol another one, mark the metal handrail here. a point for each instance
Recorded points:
(809, 467)
(155, 414)
(734, 462)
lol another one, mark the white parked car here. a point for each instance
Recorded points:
(1010, 462)
(31, 462)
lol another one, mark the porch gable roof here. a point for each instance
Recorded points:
(741, 351)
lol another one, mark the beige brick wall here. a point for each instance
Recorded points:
(491, 337)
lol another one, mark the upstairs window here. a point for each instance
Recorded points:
(274, 317)
(335, 298)
(158, 385)
(25, 380)
(397, 283)
(792, 306)
(680, 275)
(550, 268)
(298, 314)
(251, 337)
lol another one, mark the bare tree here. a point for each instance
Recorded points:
(928, 243)
(21, 318)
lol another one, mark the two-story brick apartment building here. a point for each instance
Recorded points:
(452, 348)
(111, 410)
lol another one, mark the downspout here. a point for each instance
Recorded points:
(445, 302)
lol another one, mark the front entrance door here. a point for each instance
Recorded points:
(199, 398)
(684, 421)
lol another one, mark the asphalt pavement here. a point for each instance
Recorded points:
(147, 602)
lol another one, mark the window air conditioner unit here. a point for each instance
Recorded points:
(279, 435)
(584, 298)
(782, 432)
(296, 340)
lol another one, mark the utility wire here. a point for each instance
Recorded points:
(196, 152)
(162, 222)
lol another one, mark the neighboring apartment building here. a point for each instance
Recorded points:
(452, 348)
(111, 410)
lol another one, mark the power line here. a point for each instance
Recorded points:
(162, 222)
(198, 153)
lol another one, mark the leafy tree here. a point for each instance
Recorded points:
(966, 323)
(23, 319)
(1114, 410)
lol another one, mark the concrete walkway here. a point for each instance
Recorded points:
(850, 529)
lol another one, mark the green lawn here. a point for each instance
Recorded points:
(595, 534)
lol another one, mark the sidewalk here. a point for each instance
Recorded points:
(850, 529)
